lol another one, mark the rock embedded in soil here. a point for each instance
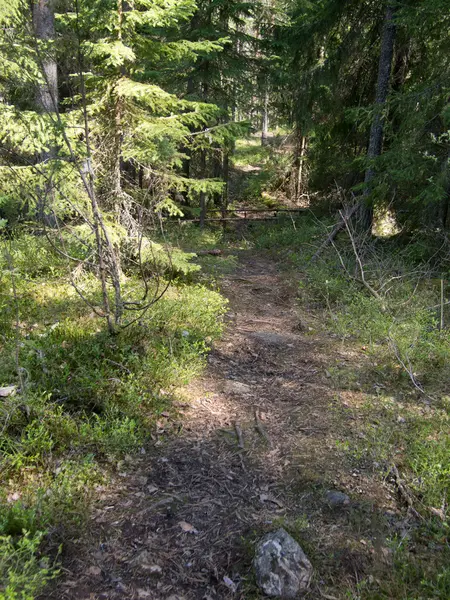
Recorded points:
(8, 390)
(146, 563)
(270, 338)
(337, 499)
(282, 569)
(237, 388)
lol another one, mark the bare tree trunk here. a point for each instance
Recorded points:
(116, 166)
(265, 118)
(376, 130)
(202, 194)
(46, 97)
(445, 204)
(44, 30)
(301, 147)
(226, 177)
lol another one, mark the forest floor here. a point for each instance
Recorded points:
(256, 444)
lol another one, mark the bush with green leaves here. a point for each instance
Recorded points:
(23, 573)
(88, 397)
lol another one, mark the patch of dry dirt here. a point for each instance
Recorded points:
(257, 448)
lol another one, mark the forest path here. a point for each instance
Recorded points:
(183, 517)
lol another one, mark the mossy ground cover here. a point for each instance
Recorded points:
(90, 398)
(83, 398)
(402, 373)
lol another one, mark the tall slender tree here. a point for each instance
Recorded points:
(377, 127)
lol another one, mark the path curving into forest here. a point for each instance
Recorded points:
(182, 518)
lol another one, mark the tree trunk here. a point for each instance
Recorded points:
(376, 130)
(445, 204)
(116, 166)
(300, 153)
(265, 119)
(202, 194)
(226, 176)
(44, 30)
(46, 100)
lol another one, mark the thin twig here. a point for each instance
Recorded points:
(363, 280)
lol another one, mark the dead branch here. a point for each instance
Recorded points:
(404, 493)
(408, 368)
(362, 279)
(213, 252)
(239, 434)
(260, 427)
(336, 229)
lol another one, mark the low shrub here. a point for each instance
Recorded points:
(88, 398)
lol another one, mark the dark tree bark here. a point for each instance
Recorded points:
(377, 128)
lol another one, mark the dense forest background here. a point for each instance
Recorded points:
(133, 133)
(141, 103)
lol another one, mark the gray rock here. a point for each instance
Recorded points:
(337, 499)
(8, 390)
(270, 338)
(146, 563)
(282, 568)
(236, 388)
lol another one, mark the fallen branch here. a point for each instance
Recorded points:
(404, 493)
(362, 279)
(213, 252)
(260, 427)
(408, 368)
(239, 434)
(336, 229)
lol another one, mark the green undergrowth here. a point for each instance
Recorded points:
(250, 152)
(399, 362)
(88, 398)
(259, 172)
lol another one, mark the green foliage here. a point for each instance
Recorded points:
(397, 424)
(89, 397)
(261, 171)
(399, 332)
(23, 574)
(428, 452)
(326, 58)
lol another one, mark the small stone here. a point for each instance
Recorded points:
(8, 390)
(282, 568)
(337, 499)
(145, 561)
(270, 338)
(237, 388)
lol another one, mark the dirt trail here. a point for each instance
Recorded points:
(184, 516)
